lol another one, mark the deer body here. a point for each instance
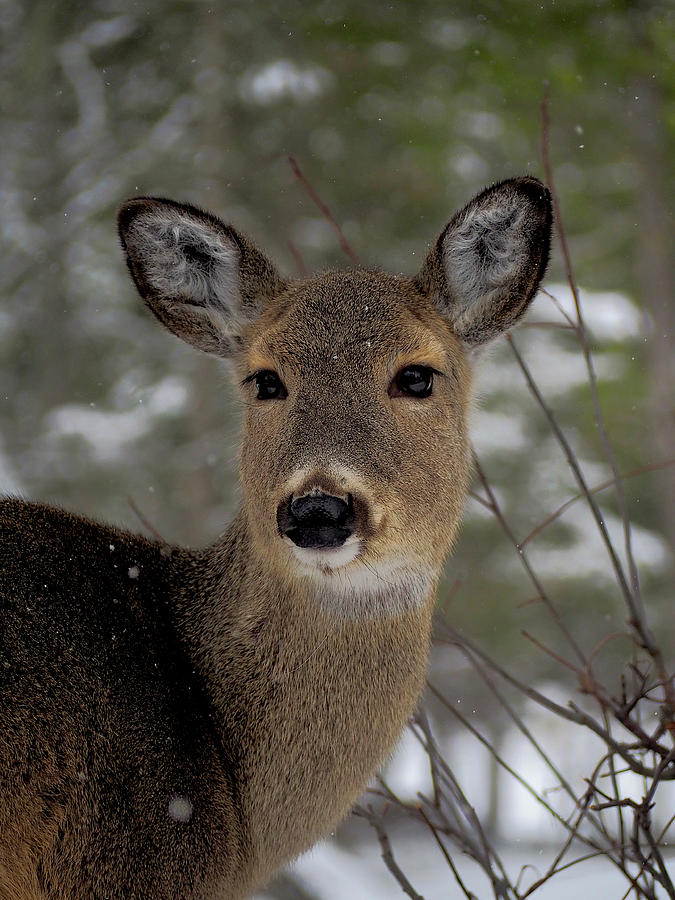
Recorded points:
(180, 723)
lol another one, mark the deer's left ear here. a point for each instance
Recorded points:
(202, 279)
(486, 265)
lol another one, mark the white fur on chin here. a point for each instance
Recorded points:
(349, 588)
(331, 558)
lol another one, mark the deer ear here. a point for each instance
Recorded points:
(201, 279)
(487, 264)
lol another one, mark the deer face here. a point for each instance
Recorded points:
(356, 384)
(354, 450)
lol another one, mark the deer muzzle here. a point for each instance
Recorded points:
(317, 521)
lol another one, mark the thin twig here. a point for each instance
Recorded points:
(522, 727)
(432, 752)
(297, 256)
(574, 466)
(325, 210)
(508, 531)
(644, 817)
(453, 868)
(615, 787)
(500, 760)
(146, 522)
(375, 822)
(556, 656)
(483, 502)
(572, 713)
(641, 470)
(483, 852)
(553, 868)
(638, 616)
(583, 340)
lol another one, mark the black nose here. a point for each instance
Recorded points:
(317, 520)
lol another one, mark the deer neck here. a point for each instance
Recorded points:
(316, 699)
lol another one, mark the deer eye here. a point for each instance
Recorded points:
(270, 386)
(413, 381)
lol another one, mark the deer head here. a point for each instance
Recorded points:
(356, 383)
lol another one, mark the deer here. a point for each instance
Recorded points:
(180, 723)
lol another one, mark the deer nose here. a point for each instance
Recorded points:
(317, 520)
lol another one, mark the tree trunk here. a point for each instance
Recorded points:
(656, 282)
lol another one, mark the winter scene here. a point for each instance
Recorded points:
(337, 450)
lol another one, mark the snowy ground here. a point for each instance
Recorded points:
(331, 873)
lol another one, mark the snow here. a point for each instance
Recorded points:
(180, 809)
(284, 79)
(556, 363)
(109, 432)
(497, 431)
(608, 315)
(587, 557)
(331, 872)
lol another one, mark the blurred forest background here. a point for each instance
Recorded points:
(397, 112)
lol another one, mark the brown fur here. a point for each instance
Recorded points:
(178, 723)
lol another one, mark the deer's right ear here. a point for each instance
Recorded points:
(203, 280)
(487, 264)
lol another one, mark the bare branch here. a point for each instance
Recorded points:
(603, 819)
(522, 727)
(375, 821)
(583, 340)
(641, 470)
(574, 466)
(344, 243)
(467, 893)
(508, 531)
(146, 523)
(572, 712)
(637, 613)
(297, 256)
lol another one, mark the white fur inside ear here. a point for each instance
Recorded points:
(483, 254)
(185, 259)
